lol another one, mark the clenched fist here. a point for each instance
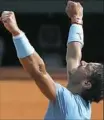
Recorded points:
(9, 21)
(74, 11)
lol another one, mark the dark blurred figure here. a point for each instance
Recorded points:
(2, 48)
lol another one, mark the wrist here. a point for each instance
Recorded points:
(19, 36)
(16, 33)
(76, 20)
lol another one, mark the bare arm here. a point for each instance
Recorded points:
(32, 63)
(35, 66)
(73, 56)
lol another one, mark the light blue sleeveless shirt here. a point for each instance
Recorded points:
(68, 106)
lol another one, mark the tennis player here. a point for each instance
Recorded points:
(85, 80)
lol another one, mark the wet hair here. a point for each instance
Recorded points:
(96, 92)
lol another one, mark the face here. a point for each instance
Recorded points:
(80, 75)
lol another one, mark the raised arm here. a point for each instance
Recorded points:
(28, 57)
(75, 37)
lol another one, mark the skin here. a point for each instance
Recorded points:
(35, 66)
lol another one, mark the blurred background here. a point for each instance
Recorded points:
(46, 25)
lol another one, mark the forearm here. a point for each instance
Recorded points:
(75, 40)
(75, 37)
(74, 46)
(27, 55)
(34, 65)
(74, 50)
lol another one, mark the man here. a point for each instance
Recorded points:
(86, 79)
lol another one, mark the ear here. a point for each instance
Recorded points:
(86, 84)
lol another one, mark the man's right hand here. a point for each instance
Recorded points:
(74, 11)
(9, 21)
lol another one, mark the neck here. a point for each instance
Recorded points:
(75, 89)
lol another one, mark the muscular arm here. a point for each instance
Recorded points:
(35, 66)
(75, 38)
(73, 55)
(28, 57)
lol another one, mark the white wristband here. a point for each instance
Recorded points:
(76, 34)
(22, 45)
